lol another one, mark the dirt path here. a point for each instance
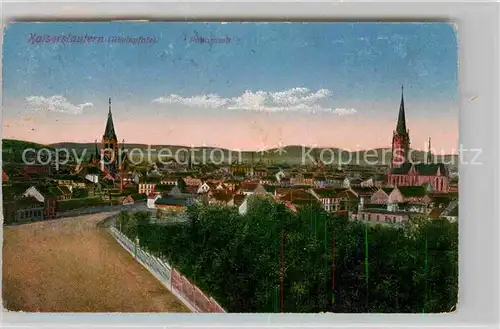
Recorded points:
(69, 265)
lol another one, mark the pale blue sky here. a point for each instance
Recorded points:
(341, 65)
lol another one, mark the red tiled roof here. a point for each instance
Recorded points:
(222, 196)
(248, 187)
(238, 199)
(191, 189)
(436, 213)
(329, 192)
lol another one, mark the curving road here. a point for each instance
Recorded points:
(71, 265)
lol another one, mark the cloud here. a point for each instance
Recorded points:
(291, 100)
(54, 103)
(204, 101)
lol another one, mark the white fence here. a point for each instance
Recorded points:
(187, 292)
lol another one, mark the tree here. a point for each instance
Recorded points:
(181, 184)
(237, 259)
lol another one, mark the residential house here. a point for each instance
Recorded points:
(48, 195)
(248, 188)
(66, 192)
(92, 178)
(40, 192)
(415, 196)
(334, 181)
(125, 200)
(328, 197)
(232, 185)
(302, 179)
(260, 171)
(244, 205)
(190, 181)
(381, 196)
(147, 184)
(368, 182)
(383, 216)
(169, 202)
(222, 197)
(298, 197)
(26, 209)
(238, 199)
(221, 187)
(269, 180)
(38, 169)
(451, 211)
(5, 178)
(363, 194)
(241, 170)
(280, 175)
(205, 187)
(150, 203)
(351, 182)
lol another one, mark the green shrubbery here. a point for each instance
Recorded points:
(237, 259)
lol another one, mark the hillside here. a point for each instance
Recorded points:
(12, 149)
(292, 154)
(14, 144)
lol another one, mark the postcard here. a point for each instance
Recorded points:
(236, 167)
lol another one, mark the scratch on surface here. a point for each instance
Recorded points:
(474, 97)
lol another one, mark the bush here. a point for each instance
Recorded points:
(237, 259)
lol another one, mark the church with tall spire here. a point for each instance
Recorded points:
(403, 171)
(109, 158)
(400, 138)
(110, 144)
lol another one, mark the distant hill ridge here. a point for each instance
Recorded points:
(288, 153)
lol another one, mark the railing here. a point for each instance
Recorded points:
(179, 285)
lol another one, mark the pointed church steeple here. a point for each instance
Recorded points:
(429, 154)
(109, 132)
(401, 138)
(401, 126)
(123, 154)
(97, 152)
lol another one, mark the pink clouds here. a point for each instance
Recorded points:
(241, 131)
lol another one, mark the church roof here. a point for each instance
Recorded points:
(401, 126)
(168, 200)
(431, 169)
(423, 169)
(403, 169)
(109, 132)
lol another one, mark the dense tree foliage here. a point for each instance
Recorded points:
(237, 259)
